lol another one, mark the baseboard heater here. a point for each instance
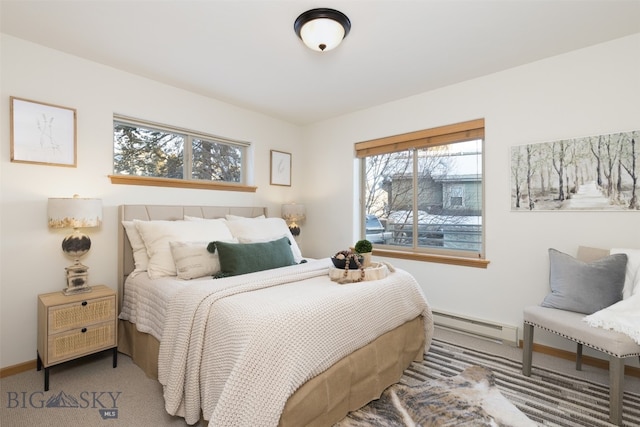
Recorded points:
(498, 332)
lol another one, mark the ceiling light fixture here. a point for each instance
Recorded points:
(322, 29)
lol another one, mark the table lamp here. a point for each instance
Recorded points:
(76, 213)
(292, 213)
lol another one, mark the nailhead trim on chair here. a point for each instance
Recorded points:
(584, 343)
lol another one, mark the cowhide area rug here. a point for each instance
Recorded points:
(468, 399)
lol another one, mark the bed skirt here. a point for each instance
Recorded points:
(349, 384)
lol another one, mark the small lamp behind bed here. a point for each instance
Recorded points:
(293, 213)
(75, 213)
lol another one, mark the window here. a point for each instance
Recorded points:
(456, 196)
(426, 189)
(160, 153)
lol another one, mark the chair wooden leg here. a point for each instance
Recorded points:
(579, 357)
(616, 389)
(527, 350)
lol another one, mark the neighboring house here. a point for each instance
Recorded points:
(449, 205)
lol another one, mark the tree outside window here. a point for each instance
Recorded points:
(148, 150)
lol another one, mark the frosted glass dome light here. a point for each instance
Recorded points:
(322, 29)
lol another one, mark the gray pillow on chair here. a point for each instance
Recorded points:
(584, 287)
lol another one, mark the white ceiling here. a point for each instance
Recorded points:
(246, 52)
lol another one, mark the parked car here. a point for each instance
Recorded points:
(374, 230)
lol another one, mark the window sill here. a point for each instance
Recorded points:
(442, 259)
(179, 183)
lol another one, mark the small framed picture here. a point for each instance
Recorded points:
(42, 133)
(280, 168)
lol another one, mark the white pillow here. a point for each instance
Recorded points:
(632, 278)
(230, 217)
(192, 259)
(264, 229)
(157, 235)
(193, 218)
(140, 257)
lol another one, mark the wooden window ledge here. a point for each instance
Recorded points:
(180, 183)
(441, 259)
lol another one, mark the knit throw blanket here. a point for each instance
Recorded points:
(623, 316)
(237, 348)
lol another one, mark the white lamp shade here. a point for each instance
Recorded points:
(74, 212)
(322, 34)
(293, 212)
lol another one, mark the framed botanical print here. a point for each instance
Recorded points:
(42, 133)
(280, 168)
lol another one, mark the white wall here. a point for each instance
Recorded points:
(31, 259)
(587, 92)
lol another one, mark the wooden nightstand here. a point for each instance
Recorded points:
(72, 326)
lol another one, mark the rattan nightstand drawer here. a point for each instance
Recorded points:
(80, 314)
(79, 342)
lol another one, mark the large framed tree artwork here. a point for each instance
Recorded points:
(593, 173)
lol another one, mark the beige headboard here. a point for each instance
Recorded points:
(165, 212)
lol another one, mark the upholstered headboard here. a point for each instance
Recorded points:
(165, 212)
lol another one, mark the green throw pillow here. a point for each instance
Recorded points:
(243, 258)
(584, 287)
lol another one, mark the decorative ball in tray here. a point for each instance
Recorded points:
(340, 260)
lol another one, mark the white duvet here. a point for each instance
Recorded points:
(237, 348)
(145, 300)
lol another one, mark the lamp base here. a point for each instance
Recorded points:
(75, 291)
(77, 279)
(294, 229)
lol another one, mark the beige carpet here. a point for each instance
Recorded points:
(95, 385)
(138, 400)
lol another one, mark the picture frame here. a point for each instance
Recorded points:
(42, 133)
(590, 173)
(280, 168)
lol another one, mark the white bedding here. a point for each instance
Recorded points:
(145, 300)
(237, 348)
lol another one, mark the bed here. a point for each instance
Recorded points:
(199, 384)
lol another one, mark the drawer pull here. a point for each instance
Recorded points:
(84, 330)
(84, 303)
